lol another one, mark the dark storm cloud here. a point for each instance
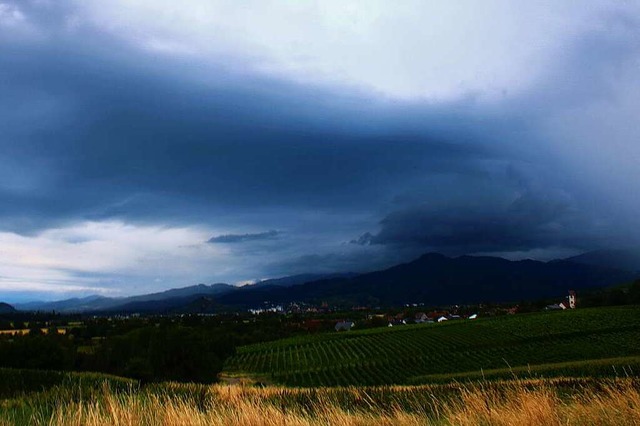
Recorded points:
(532, 208)
(522, 225)
(533, 221)
(242, 238)
(91, 129)
(363, 240)
(339, 261)
(104, 137)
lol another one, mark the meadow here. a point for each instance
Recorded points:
(524, 402)
(596, 342)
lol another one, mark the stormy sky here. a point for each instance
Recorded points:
(153, 144)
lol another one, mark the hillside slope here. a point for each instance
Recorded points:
(623, 259)
(6, 308)
(407, 354)
(435, 279)
(169, 298)
(432, 279)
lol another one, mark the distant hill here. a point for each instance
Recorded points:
(183, 299)
(298, 279)
(432, 279)
(200, 289)
(623, 259)
(67, 305)
(6, 308)
(435, 279)
(147, 301)
(203, 298)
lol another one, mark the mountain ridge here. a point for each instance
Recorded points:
(164, 299)
(6, 308)
(432, 279)
(624, 259)
(102, 303)
(437, 279)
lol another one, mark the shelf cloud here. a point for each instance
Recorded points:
(160, 144)
(242, 238)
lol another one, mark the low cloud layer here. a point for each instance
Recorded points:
(527, 223)
(242, 238)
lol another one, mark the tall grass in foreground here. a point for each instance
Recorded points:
(530, 402)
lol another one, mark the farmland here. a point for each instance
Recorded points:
(587, 342)
(552, 368)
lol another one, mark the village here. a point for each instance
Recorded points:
(409, 314)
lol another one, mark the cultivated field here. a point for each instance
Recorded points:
(596, 342)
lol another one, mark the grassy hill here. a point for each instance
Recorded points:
(5, 308)
(16, 382)
(567, 402)
(584, 342)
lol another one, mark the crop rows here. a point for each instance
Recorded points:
(395, 356)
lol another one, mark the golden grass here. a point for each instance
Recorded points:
(522, 403)
(23, 331)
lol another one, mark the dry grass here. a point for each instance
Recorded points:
(23, 331)
(522, 403)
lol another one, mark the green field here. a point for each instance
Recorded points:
(585, 342)
(15, 382)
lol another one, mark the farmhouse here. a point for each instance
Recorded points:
(421, 317)
(395, 322)
(344, 325)
(568, 303)
(437, 314)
